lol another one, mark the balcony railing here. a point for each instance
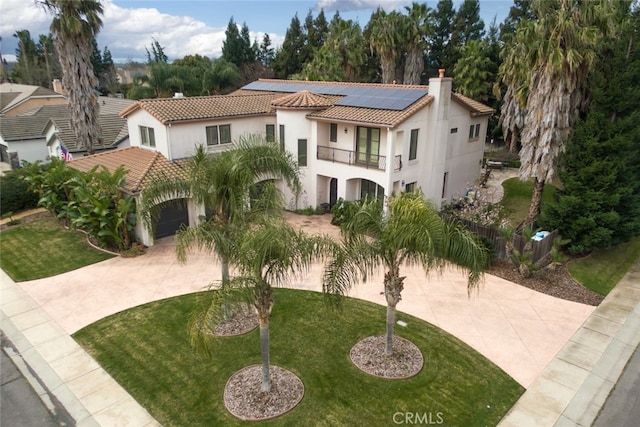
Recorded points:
(369, 161)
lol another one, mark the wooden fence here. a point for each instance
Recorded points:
(539, 248)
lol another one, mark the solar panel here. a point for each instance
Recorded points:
(385, 98)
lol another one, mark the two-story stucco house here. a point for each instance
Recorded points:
(350, 139)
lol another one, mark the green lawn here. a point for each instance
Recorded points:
(517, 198)
(44, 248)
(603, 269)
(146, 349)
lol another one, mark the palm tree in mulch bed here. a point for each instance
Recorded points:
(410, 233)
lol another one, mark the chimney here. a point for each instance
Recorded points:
(441, 73)
(57, 87)
(178, 95)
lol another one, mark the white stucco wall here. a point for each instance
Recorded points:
(29, 150)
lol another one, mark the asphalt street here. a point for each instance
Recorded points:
(20, 404)
(622, 407)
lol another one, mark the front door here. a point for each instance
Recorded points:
(333, 192)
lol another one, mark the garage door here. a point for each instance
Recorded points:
(172, 216)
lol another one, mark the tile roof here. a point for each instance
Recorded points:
(477, 108)
(141, 165)
(168, 110)
(21, 128)
(376, 85)
(31, 124)
(305, 100)
(247, 102)
(12, 94)
(388, 118)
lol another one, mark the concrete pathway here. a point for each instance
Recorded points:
(574, 386)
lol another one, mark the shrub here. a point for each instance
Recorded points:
(15, 195)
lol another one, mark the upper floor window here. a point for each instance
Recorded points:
(413, 145)
(271, 133)
(474, 131)
(454, 130)
(333, 134)
(147, 136)
(217, 135)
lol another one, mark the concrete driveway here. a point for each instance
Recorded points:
(519, 329)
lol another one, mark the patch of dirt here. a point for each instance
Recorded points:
(556, 282)
(244, 398)
(369, 356)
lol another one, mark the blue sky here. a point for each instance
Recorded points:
(197, 26)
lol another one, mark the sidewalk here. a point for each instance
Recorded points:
(59, 364)
(575, 385)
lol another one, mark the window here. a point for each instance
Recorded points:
(474, 131)
(444, 184)
(217, 135)
(368, 146)
(454, 130)
(147, 136)
(302, 152)
(413, 145)
(370, 190)
(282, 136)
(410, 187)
(271, 133)
(333, 134)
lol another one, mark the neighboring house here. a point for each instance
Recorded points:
(16, 99)
(351, 140)
(35, 135)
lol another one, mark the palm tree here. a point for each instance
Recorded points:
(384, 39)
(418, 23)
(267, 255)
(74, 25)
(411, 233)
(223, 183)
(557, 53)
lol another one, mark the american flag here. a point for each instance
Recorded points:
(64, 153)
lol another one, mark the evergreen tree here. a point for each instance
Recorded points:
(467, 26)
(157, 53)
(439, 40)
(266, 52)
(108, 79)
(288, 59)
(30, 68)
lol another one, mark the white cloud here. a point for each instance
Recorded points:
(352, 5)
(126, 31)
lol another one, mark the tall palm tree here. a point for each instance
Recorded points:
(384, 39)
(418, 23)
(557, 53)
(410, 233)
(223, 183)
(75, 24)
(268, 255)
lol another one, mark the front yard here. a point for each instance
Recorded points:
(44, 248)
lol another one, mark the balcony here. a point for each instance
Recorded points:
(371, 161)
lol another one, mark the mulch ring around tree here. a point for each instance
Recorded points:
(243, 320)
(244, 398)
(369, 356)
